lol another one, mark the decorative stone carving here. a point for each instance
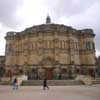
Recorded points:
(49, 45)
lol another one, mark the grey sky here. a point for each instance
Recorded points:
(19, 14)
(8, 10)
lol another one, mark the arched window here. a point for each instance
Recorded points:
(88, 46)
(93, 46)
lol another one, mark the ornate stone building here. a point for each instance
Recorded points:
(49, 50)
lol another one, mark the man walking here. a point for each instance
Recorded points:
(45, 84)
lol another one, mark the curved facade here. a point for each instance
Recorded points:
(50, 49)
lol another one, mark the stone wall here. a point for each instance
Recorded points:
(64, 45)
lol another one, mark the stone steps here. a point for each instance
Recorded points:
(96, 81)
(52, 82)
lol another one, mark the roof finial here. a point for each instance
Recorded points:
(48, 19)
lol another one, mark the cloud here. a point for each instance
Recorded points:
(88, 19)
(8, 19)
(19, 14)
(79, 14)
(97, 53)
(8, 10)
(69, 7)
(2, 44)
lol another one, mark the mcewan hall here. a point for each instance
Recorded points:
(50, 50)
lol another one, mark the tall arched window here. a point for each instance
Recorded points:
(88, 46)
(93, 46)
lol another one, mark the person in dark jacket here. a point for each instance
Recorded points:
(45, 84)
(15, 84)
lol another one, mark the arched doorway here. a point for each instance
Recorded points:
(49, 73)
(48, 64)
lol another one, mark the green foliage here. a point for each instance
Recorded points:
(2, 72)
(98, 62)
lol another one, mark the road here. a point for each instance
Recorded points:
(54, 93)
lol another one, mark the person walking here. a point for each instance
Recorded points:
(45, 84)
(15, 84)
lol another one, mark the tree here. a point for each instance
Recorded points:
(98, 65)
(2, 72)
(98, 62)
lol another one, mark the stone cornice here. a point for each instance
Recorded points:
(50, 29)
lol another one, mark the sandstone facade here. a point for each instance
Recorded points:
(50, 49)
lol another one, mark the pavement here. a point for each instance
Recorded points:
(54, 93)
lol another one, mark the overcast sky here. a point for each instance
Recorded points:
(16, 15)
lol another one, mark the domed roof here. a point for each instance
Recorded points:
(51, 27)
(48, 20)
(48, 27)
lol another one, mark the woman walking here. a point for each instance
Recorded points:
(15, 84)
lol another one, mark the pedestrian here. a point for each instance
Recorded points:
(45, 84)
(15, 84)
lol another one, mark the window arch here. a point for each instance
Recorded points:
(88, 46)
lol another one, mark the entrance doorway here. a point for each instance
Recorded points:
(49, 73)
